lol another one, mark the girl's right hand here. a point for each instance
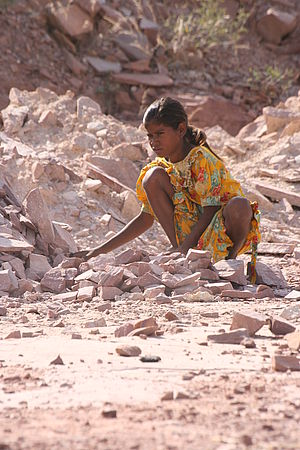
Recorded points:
(87, 254)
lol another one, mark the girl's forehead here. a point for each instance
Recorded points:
(154, 126)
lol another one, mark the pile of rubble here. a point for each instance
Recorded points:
(74, 170)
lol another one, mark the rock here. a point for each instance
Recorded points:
(275, 25)
(263, 291)
(57, 361)
(128, 350)
(291, 312)
(178, 395)
(170, 316)
(153, 79)
(128, 256)
(83, 142)
(162, 299)
(249, 320)
(293, 295)
(146, 331)
(95, 323)
(234, 293)
(39, 264)
(28, 334)
(86, 293)
(3, 311)
(248, 343)
(71, 20)
(89, 274)
(188, 280)
(65, 297)
(24, 286)
(38, 212)
(13, 118)
(14, 335)
(293, 340)
(150, 358)
(103, 66)
(128, 151)
(195, 255)
(104, 307)
(10, 244)
(218, 288)
(48, 118)
(148, 280)
(150, 29)
(269, 276)
(109, 412)
(134, 45)
(230, 337)
(92, 185)
(131, 206)
(206, 274)
(277, 118)
(231, 270)
(63, 239)
(282, 363)
(279, 326)
(169, 395)
(112, 277)
(278, 193)
(199, 295)
(54, 281)
(216, 110)
(87, 108)
(147, 322)
(92, 7)
(275, 248)
(123, 171)
(76, 336)
(153, 292)
(124, 329)
(8, 281)
(108, 293)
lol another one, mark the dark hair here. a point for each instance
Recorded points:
(170, 112)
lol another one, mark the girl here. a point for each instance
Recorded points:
(189, 191)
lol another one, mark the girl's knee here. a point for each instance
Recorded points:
(155, 178)
(238, 208)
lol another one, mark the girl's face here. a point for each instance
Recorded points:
(165, 141)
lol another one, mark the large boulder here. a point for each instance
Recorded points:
(216, 110)
(275, 25)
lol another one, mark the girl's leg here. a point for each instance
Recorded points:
(237, 216)
(160, 193)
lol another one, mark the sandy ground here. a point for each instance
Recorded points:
(224, 396)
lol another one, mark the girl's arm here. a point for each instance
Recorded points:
(198, 228)
(133, 229)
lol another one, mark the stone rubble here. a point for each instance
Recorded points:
(67, 184)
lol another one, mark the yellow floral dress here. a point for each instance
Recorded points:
(201, 180)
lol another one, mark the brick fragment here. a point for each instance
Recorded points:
(282, 363)
(249, 320)
(280, 326)
(230, 337)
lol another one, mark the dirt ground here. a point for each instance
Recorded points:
(224, 396)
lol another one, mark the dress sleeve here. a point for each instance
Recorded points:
(207, 173)
(140, 192)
